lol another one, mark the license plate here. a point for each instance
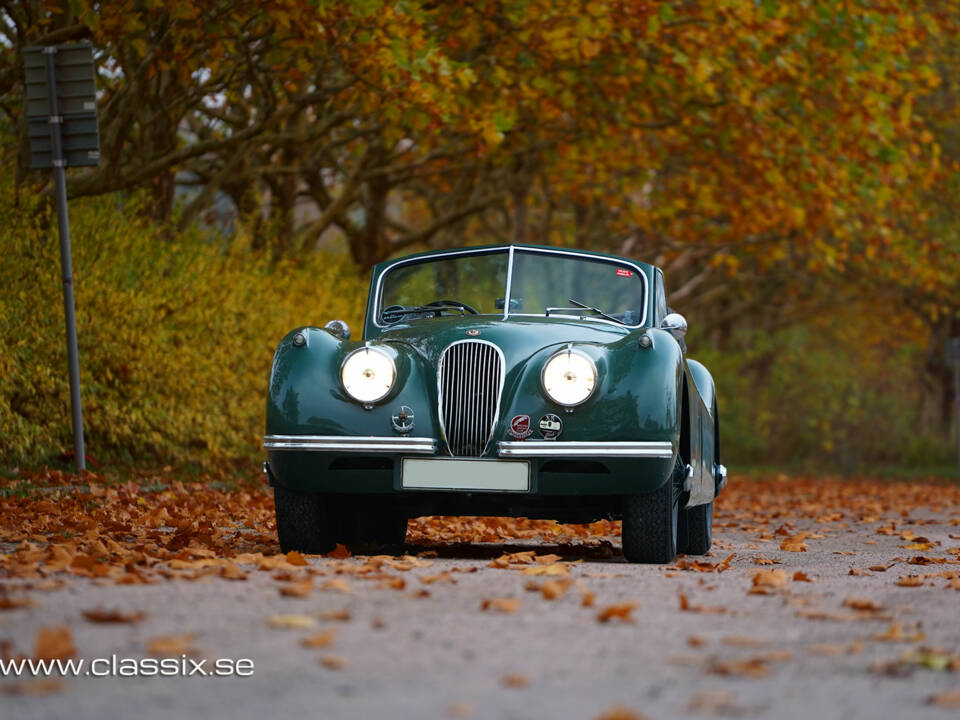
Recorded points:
(456, 474)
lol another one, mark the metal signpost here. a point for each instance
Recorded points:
(953, 358)
(62, 124)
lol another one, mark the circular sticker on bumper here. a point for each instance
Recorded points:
(520, 427)
(550, 426)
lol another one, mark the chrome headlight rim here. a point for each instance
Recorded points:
(580, 354)
(381, 353)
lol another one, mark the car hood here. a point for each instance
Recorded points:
(518, 338)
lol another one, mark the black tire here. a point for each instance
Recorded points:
(695, 531)
(650, 526)
(303, 522)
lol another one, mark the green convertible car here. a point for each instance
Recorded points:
(510, 380)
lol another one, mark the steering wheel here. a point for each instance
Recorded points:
(454, 304)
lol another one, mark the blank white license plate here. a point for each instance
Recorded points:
(455, 474)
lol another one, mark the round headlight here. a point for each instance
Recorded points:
(569, 377)
(367, 375)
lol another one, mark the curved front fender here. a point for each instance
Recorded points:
(637, 397)
(306, 397)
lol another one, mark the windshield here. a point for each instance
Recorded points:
(476, 281)
(562, 284)
(541, 283)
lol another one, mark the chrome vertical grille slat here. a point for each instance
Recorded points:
(470, 380)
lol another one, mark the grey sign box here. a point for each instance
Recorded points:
(76, 100)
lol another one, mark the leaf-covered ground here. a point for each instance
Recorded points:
(819, 595)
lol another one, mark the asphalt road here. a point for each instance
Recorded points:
(793, 649)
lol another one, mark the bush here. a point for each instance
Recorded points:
(842, 396)
(176, 335)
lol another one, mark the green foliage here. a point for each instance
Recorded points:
(176, 334)
(812, 398)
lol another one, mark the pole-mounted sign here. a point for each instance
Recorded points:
(63, 130)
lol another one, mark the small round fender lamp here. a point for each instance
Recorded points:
(338, 328)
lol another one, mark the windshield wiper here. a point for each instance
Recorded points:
(599, 312)
(436, 308)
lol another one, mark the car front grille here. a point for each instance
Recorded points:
(470, 382)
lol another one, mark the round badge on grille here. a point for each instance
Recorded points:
(473, 333)
(520, 427)
(550, 426)
(403, 420)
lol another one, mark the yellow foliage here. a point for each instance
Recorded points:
(176, 335)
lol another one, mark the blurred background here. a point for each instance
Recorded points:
(792, 167)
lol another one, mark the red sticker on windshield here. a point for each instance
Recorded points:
(624, 273)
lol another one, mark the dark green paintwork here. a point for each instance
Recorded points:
(638, 397)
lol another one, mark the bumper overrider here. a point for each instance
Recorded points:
(380, 464)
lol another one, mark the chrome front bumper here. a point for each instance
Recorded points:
(429, 446)
(347, 443)
(554, 448)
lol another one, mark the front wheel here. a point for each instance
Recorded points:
(650, 526)
(303, 522)
(695, 532)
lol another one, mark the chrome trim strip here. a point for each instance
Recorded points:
(555, 448)
(509, 249)
(506, 294)
(351, 443)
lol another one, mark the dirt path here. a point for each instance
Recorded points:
(784, 619)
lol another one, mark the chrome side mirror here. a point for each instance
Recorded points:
(675, 324)
(338, 328)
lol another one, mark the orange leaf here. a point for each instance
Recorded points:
(320, 639)
(910, 581)
(333, 662)
(515, 680)
(112, 616)
(620, 611)
(338, 584)
(171, 645)
(858, 603)
(297, 589)
(552, 589)
(504, 605)
(53, 643)
(619, 712)
(771, 578)
(295, 558)
(340, 552)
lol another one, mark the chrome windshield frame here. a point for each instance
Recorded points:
(511, 251)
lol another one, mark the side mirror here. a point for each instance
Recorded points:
(675, 324)
(338, 328)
